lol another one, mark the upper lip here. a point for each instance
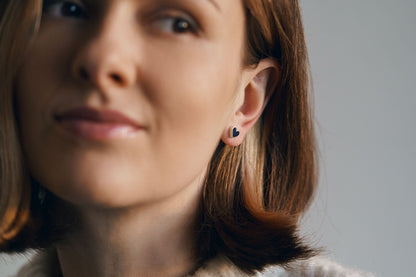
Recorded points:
(97, 115)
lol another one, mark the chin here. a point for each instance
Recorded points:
(99, 192)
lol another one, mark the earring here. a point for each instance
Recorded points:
(41, 195)
(234, 132)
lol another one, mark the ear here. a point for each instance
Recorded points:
(257, 85)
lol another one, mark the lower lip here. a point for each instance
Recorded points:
(93, 130)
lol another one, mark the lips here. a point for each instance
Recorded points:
(93, 124)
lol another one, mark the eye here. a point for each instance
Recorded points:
(64, 9)
(176, 24)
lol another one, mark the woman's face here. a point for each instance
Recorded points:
(124, 101)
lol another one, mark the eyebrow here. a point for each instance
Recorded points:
(213, 2)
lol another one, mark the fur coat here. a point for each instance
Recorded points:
(45, 264)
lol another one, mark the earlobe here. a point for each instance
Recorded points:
(233, 136)
(259, 84)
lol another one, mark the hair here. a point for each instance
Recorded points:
(254, 193)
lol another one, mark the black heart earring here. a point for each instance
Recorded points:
(234, 132)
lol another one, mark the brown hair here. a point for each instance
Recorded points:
(253, 193)
(18, 21)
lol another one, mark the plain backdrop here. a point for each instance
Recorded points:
(363, 67)
(363, 61)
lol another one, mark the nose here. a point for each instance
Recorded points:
(105, 60)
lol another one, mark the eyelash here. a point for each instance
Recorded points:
(179, 24)
(175, 24)
(58, 8)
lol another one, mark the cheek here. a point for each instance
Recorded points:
(191, 105)
(201, 89)
(38, 90)
(196, 99)
(39, 79)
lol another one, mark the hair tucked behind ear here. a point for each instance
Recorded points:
(255, 193)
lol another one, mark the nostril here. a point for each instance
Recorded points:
(84, 74)
(116, 78)
(99, 75)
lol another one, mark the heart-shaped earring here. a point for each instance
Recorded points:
(234, 132)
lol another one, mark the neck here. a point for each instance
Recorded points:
(148, 240)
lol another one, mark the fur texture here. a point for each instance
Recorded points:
(45, 264)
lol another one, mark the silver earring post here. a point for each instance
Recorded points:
(41, 195)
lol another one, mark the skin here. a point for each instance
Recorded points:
(137, 195)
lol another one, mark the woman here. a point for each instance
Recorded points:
(155, 137)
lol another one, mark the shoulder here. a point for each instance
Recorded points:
(314, 267)
(43, 264)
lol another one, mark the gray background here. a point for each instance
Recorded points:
(363, 66)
